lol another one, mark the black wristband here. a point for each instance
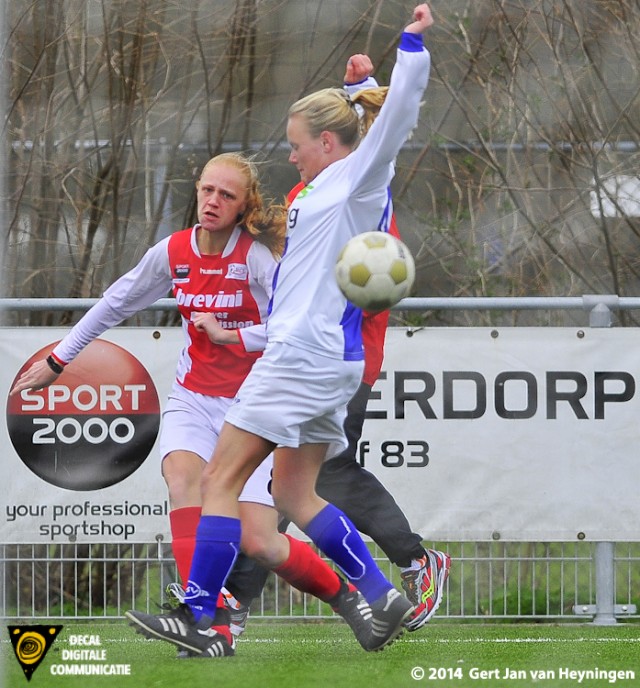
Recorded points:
(54, 365)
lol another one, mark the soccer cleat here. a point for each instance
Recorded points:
(425, 587)
(175, 593)
(387, 616)
(238, 614)
(355, 610)
(180, 628)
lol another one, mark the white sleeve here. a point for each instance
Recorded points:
(262, 266)
(142, 286)
(253, 338)
(398, 117)
(369, 82)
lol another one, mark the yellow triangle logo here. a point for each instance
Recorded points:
(31, 644)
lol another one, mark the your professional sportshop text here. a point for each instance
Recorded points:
(56, 518)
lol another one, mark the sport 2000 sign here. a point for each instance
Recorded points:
(94, 426)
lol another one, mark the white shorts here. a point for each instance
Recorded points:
(192, 422)
(293, 397)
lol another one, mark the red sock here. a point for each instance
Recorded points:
(307, 572)
(184, 523)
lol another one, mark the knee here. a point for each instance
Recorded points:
(183, 483)
(268, 552)
(297, 508)
(215, 482)
(253, 545)
(284, 502)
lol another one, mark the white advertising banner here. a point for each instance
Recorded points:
(80, 457)
(515, 434)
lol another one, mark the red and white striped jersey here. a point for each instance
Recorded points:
(236, 285)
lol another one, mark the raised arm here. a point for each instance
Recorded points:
(422, 19)
(399, 113)
(359, 68)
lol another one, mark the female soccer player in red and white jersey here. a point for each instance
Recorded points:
(223, 266)
(295, 396)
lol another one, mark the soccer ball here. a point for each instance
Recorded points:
(374, 271)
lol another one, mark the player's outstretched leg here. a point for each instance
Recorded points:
(335, 535)
(180, 628)
(425, 587)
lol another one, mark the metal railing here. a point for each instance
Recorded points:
(488, 581)
(586, 303)
(516, 581)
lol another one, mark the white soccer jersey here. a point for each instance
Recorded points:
(347, 198)
(235, 285)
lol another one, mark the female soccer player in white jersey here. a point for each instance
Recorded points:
(224, 266)
(295, 396)
(342, 481)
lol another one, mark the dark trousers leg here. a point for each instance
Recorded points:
(246, 580)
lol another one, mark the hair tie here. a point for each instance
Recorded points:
(347, 97)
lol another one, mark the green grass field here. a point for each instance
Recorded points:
(301, 655)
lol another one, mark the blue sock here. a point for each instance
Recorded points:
(338, 538)
(217, 546)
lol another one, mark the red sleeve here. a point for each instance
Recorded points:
(393, 227)
(294, 192)
(374, 327)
